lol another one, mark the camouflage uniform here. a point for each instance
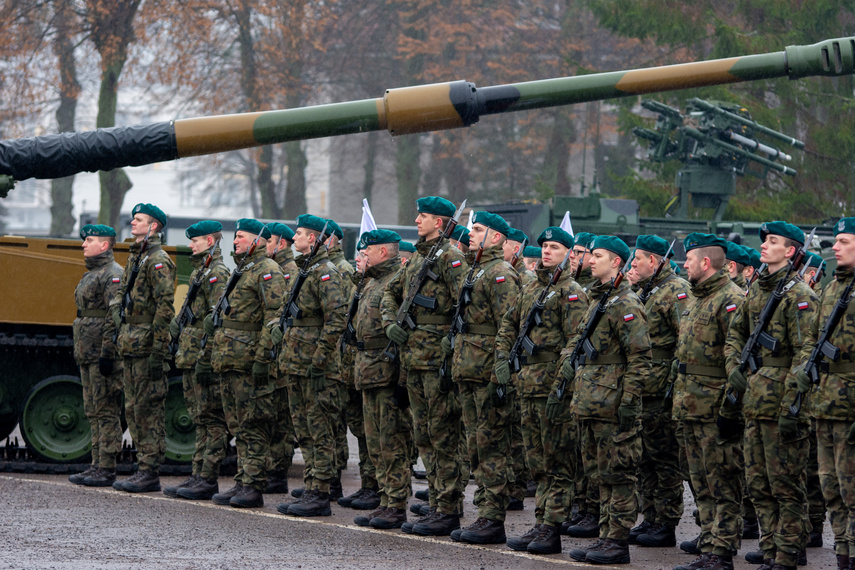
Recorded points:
(93, 340)
(518, 460)
(240, 342)
(740, 281)
(387, 427)
(436, 413)
(204, 402)
(617, 376)
(146, 332)
(660, 479)
(715, 465)
(312, 340)
(488, 427)
(548, 443)
(775, 468)
(832, 406)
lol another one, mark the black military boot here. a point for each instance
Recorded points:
(755, 557)
(147, 482)
(574, 520)
(698, 563)
(659, 535)
(719, 563)
(316, 505)
(336, 492)
(346, 501)
(531, 489)
(119, 485)
(423, 495)
(750, 529)
(202, 490)
(363, 520)
(635, 531)
(484, 531)
(277, 483)
(440, 525)
(520, 543)
(391, 518)
(579, 554)
(803, 558)
(548, 541)
(612, 551)
(298, 492)
(421, 509)
(77, 478)
(226, 496)
(588, 527)
(369, 500)
(407, 527)
(248, 498)
(515, 505)
(842, 562)
(101, 478)
(691, 546)
(815, 537)
(172, 490)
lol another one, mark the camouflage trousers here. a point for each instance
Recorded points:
(282, 434)
(776, 481)
(549, 448)
(716, 469)
(188, 383)
(611, 461)
(352, 418)
(437, 433)
(388, 434)
(837, 475)
(145, 412)
(815, 500)
(102, 404)
(249, 414)
(488, 434)
(518, 463)
(314, 415)
(660, 482)
(586, 492)
(212, 419)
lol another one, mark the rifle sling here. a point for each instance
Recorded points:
(92, 313)
(241, 325)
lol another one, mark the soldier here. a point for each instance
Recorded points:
(460, 238)
(737, 261)
(607, 401)
(754, 265)
(512, 245)
(582, 249)
(775, 479)
(202, 393)
(549, 439)
(715, 464)
(242, 357)
(531, 258)
(310, 362)
(831, 402)
(96, 354)
(406, 249)
(660, 479)
(388, 424)
(149, 283)
(434, 403)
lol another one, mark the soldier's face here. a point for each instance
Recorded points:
(774, 250)
(427, 224)
(140, 225)
(199, 244)
(632, 276)
(844, 250)
(94, 245)
(552, 253)
(303, 240)
(243, 241)
(530, 263)
(643, 265)
(603, 264)
(476, 235)
(271, 246)
(694, 266)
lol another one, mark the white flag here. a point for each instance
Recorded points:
(566, 225)
(368, 224)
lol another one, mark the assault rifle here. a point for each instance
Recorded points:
(645, 293)
(127, 301)
(186, 316)
(754, 276)
(349, 334)
(403, 316)
(290, 310)
(823, 347)
(579, 266)
(584, 343)
(759, 337)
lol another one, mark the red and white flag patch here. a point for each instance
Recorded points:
(287, 276)
(325, 277)
(500, 279)
(158, 265)
(572, 297)
(628, 317)
(681, 296)
(212, 280)
(730, 308)
(267, 276)
(455, 263)
(803, 305)
(117, 279)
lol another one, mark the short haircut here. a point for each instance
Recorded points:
(655, 256)
(445, 220)
(739, 266)
(715, 254)
(392, 248)
(218, 236)
(792, 243)
(109, 239)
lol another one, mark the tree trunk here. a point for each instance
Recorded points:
(557, 154)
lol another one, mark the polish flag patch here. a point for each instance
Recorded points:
(681, 296)
(455, 263)
(500, 279)
(117, 279)
(267, 276)
(287, 276)
(572, 297)
(730, 308)
(629, 317)
(803, 305)
(325, 277)
(212, 280)
(158, 265)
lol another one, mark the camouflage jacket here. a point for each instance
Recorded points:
(834, 397)
(524, 274)
(256, 300)
(699, 392)
(313, 338)
(586, 280)
(622, 368)
(669, 297)
(772, 388)
(422, 351)
(285, 259)
(740, 281)
(147, 319)
(563, 310)
(93, 328)
(345, 358)
(214, 280)
(372, 369)
(495, 287)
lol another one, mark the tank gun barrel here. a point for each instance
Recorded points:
(769, 151)
(706, 106)
(416, 109)
(707, 139)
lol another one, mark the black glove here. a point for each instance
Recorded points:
(106, 366)
(401, 397)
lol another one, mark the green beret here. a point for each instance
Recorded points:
(97, 230)
(653, 244)
(697, 239)
(376, 237)
(360, 245)
(314, 223)
(783, 229)
(517, 235)
(813, 260)
(335, 229)
(531, 251)
(150, 210)
(612, 244)
(584, 239)
(554, 233)
(753, 257)
(406, 247)
(203, 228)
(436, 205)
(281, 230)
(845, 226)
(460, 233)
(737, 253)
(675, 267)
(493, 221)
(251, 226)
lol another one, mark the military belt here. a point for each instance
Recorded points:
(837, 367)
(372, 344)
(433, 319)
(659, 354)
(241, 325)
(771, 362)
(539, 358)
(488, 330)
(140, 320)
(602, 359)
(92, 313)
(698, 370)
(309, 322)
